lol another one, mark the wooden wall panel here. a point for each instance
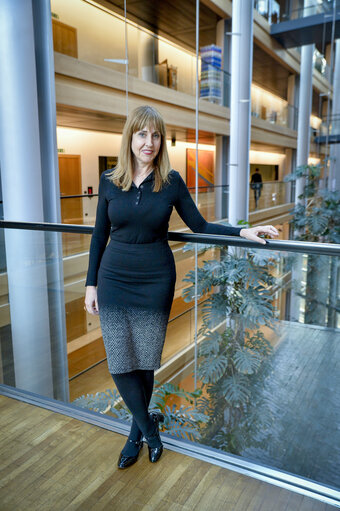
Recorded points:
(64, 38)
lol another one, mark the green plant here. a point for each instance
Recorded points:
(317, 216)
(234, 355)
(183, 422)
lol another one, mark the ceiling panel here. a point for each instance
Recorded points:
(72, 117)
(174, 19)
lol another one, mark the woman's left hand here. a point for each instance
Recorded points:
(252, 233)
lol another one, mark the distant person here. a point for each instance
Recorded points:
(256, 185)
(136, 271)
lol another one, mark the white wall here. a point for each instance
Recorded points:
(185, 63)
(266, 158)
(99, 35)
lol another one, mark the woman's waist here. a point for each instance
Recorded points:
(140, 245)
(147, 258)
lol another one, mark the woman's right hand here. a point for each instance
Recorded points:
(91, 302)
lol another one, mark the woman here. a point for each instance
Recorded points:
(130, 282)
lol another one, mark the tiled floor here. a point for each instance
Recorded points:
(305, 388)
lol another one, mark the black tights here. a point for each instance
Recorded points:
(136, 389)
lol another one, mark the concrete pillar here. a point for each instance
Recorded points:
(240, 107)
(44, 55)
(28, 172)
(305, 108)
(334, 169)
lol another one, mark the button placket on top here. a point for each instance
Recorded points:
(139, 195)
(139, 189)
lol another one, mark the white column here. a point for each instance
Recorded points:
(222, 142)
(44, 54)
(334, 170)
(302, 153)
(304, 113)
(23, 198)
(240, 106)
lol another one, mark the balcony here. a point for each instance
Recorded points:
(156, 68)
(328, 133)
(272, 108)
(305, 25)
(282, 341)
(98, 37)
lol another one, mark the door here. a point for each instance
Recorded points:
(70, 184)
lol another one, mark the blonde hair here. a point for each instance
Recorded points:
(122, 174)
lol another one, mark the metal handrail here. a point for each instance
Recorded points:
(203, 187)
(79, 196)
(332, 249)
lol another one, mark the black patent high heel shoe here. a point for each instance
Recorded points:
(127, 461)
(155, 452)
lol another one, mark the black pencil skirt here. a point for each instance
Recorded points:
(135, 289)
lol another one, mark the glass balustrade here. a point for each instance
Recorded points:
(330, 128)
(82, 209)
(268, 352)
(268, 194)
(154, 59)
(146, 56)
(276, 13)
(270, 111)
(269, 9)
(252, 372)
(150, 57)
(98, 36)
(320, 64)
(312, 9)
(66, 342)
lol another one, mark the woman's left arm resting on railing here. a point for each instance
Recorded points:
(189, 213)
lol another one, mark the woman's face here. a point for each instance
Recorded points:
(145, 145)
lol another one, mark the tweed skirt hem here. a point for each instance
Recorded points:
(133, 337)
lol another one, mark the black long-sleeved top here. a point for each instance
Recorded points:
(142, 216)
